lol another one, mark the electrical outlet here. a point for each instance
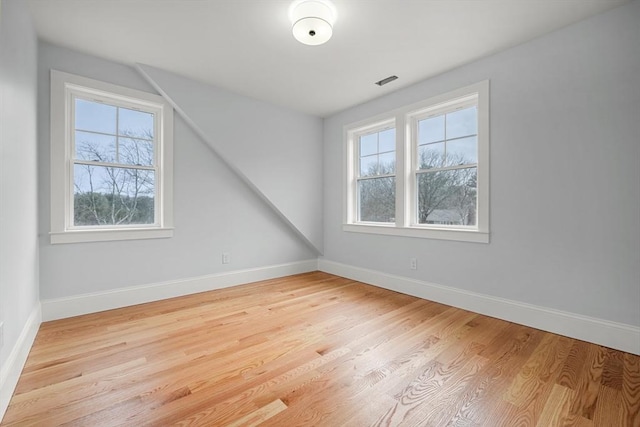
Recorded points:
(413, 263)
(225, 258)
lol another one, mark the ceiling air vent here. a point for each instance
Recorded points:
(387, 80)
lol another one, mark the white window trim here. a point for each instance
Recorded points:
(63, 86)
(404, 226)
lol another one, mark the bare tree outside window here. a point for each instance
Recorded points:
(377, 196)
(446, 197)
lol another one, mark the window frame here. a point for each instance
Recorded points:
(405, 119)
(65, 89)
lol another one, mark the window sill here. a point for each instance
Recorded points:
(107, 235)
(460, 235)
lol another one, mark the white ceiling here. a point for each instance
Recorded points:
(246, 45)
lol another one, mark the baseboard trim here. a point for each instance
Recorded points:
(60, 308)
(12, 368)
(598, 331)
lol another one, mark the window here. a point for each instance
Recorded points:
(111, 162)
(376, 181)
(422, 170)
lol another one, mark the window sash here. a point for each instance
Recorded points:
(416, 195)
(77, 92)
(359, 200)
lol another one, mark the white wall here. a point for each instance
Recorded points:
(276, 151)
(565, 176)
(214, 210)
(19, 304)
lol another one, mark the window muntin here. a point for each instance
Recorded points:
(441, 177)
(375, 182)
(111, 162)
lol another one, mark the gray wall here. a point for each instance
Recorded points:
(18, 173)
(278, 152)
(214, 211)
(565, 176)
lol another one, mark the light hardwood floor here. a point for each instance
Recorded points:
(316, 350)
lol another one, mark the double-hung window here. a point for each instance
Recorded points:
(376, 174)
(111, 162)
(434, 180)
(446, 164)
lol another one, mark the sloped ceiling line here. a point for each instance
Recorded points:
(257, 142)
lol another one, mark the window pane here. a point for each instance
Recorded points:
(135, 123)
(377, 153)
(387, 163)
(96, 147)
(368, 144)
(431, 130)
(462, 151)
(447, 197)
(431, 155)
(377, 199)
(369, 165)
(135, 152)
(387, 140)
(462, 123)
(95, 116)
(112, 196)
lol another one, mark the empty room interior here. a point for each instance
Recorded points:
(320, 213)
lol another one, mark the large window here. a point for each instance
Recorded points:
(422, 170)
(110, 162)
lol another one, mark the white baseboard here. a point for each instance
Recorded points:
(603, 332)
(76, 305)
(11, 369)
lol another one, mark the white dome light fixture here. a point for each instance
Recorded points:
(312, 21)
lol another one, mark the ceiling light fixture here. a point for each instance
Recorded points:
(312, 21)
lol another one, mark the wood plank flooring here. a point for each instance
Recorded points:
(316, 350)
